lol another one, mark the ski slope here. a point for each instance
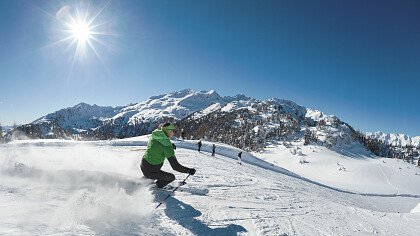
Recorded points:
(85, 188)
(353, 169)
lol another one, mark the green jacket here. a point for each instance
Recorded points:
(159, 148)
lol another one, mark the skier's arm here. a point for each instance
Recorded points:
(176, 166)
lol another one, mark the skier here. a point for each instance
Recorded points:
(239, 158)
(213, 150)
(183, 134)
(158, 149)
(199, 145)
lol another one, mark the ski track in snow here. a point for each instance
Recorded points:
(387, 180)
(93, 190)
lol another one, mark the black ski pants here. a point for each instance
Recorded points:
(153, 172)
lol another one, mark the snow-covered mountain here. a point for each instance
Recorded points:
(131, 120)
(92, 121)
(80, 117)
(253, 124)
(395, 139)
(175, 106)
(239, 120)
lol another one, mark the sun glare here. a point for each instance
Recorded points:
(83, 30)
(80, 31)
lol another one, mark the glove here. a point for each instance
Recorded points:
(173, 145)
(192, 171)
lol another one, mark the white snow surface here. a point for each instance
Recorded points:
(351, 168)
(55, 187)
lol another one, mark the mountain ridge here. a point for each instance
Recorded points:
(202, 114)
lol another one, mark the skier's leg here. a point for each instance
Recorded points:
(164, 178)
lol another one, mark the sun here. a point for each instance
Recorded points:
(80, 31)
(83, 31)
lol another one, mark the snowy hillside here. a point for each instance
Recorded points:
(85, 188)
(396, 139)
(353, 169)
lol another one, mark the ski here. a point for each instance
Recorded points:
(193, 190)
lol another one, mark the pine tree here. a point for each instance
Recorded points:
(14, 126)
(1, 133)
(307, 137)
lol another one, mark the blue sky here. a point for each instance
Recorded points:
(358, 60)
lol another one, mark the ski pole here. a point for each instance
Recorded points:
(172, 191)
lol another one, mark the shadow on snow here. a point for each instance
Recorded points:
(185, 215)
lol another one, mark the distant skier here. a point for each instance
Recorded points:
(199, 145)
(418, 161)
(213, 150)
(239, 158)
(160, 148)
(182, 134)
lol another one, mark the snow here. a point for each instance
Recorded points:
(51, 189)
(395, 139)
(208, 110)
(84, 188)
(415, 141)
(83, 115)
(416, 209)
(176, 105)
(352, 169)
(235, 105)
(314, 114)
(142, 117)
